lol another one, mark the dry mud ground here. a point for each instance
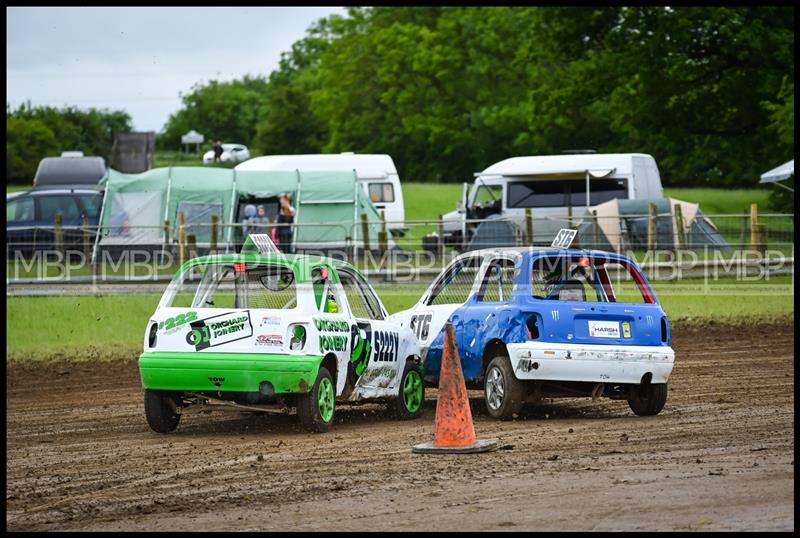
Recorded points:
(719, 457)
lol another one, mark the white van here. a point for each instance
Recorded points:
(376, 173)
(549, 185)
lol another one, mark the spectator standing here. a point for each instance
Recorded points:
(217, 151)
(286, 214)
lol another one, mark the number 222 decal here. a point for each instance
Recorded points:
(181, 319)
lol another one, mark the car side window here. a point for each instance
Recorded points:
(91, 204)
(324, 294)
(363, 303)
(20, 210)
(454, 286)
(498, 281)
(50, 206)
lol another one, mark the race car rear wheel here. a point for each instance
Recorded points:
(160, 410)
(411, 395)
(316, 407)
(504, 394)
(649, 400)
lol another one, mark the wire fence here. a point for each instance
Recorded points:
(425, 244)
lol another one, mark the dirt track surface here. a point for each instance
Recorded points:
(719, 457)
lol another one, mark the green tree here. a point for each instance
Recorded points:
(226, 111)
(27, 142)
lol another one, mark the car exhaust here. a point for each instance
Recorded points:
(597, 391)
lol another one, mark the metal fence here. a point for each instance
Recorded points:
(424, 245)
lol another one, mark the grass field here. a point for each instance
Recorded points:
(89, 327)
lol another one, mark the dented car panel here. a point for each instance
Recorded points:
(558, 314)
(264, 324)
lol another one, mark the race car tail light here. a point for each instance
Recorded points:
(664, 330)
(151, 340)
(297, 341)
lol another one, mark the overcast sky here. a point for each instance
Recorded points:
(139, 59)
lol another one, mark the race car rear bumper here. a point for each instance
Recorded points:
(592, 363)
(233, 372)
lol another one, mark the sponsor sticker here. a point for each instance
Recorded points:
(269, 340)
(604, 329)
(218, 330)
(270, 321)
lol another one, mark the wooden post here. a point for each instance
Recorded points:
(679, 226)
(529, 224)
(87, 238)
(382, 236)
(181, 238)
(753, 222)
(191, 242)
(743, 230)
(365, 232)
(760, 238)
(440, 239)
(595, 230)
(651, 226)
(214, 226)
(58, 235)
(569, 216)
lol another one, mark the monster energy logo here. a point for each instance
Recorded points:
(362, 347)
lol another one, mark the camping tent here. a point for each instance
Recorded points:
(138, 209)
(623, 225)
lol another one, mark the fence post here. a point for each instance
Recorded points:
(365, 233)
(382, 239)
(679, 226)
(87, 237)
(651, 227)
(743, 230)
(191, 241)
(214, 226)
(181, 238)
(58, 235)
(440, 238)
(760, 241)
(753, 223)
(529, 224)
(595, 230)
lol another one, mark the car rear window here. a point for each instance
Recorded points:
(586, 279)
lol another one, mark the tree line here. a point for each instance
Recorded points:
(446, 91)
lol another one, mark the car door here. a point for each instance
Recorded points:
(20, 222)
(377, 354)
(441, 304)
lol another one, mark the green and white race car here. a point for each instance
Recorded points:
(264, 331)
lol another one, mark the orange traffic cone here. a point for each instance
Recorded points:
(454, 432)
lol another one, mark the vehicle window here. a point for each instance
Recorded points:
(64, 205)
(497, 282)
(600, 190)
(488, 193)
(236, 285)
(91, 204)
(324, 292)
(20, 209)
(454, 286)
(363, 302)
(536, 194)
(381, 192)
(581, 278)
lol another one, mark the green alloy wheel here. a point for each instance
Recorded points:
(316, 408)
(408, 403)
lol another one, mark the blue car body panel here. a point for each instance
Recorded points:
(477, 323)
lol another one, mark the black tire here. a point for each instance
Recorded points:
(507, 401)
(408, 404)
(308, 405)
(649, 400)
(159, 409)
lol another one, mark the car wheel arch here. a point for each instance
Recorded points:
(330, 363)
(493, 348)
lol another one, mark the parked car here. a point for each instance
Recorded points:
(230, 152)
(547, 322)
(31, 216)
(376, 173)
(263, 331)
(548, 185)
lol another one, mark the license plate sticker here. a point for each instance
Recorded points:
(604, 329)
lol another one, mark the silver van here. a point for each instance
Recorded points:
(552, 187)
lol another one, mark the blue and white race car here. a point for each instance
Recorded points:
(548, 322)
